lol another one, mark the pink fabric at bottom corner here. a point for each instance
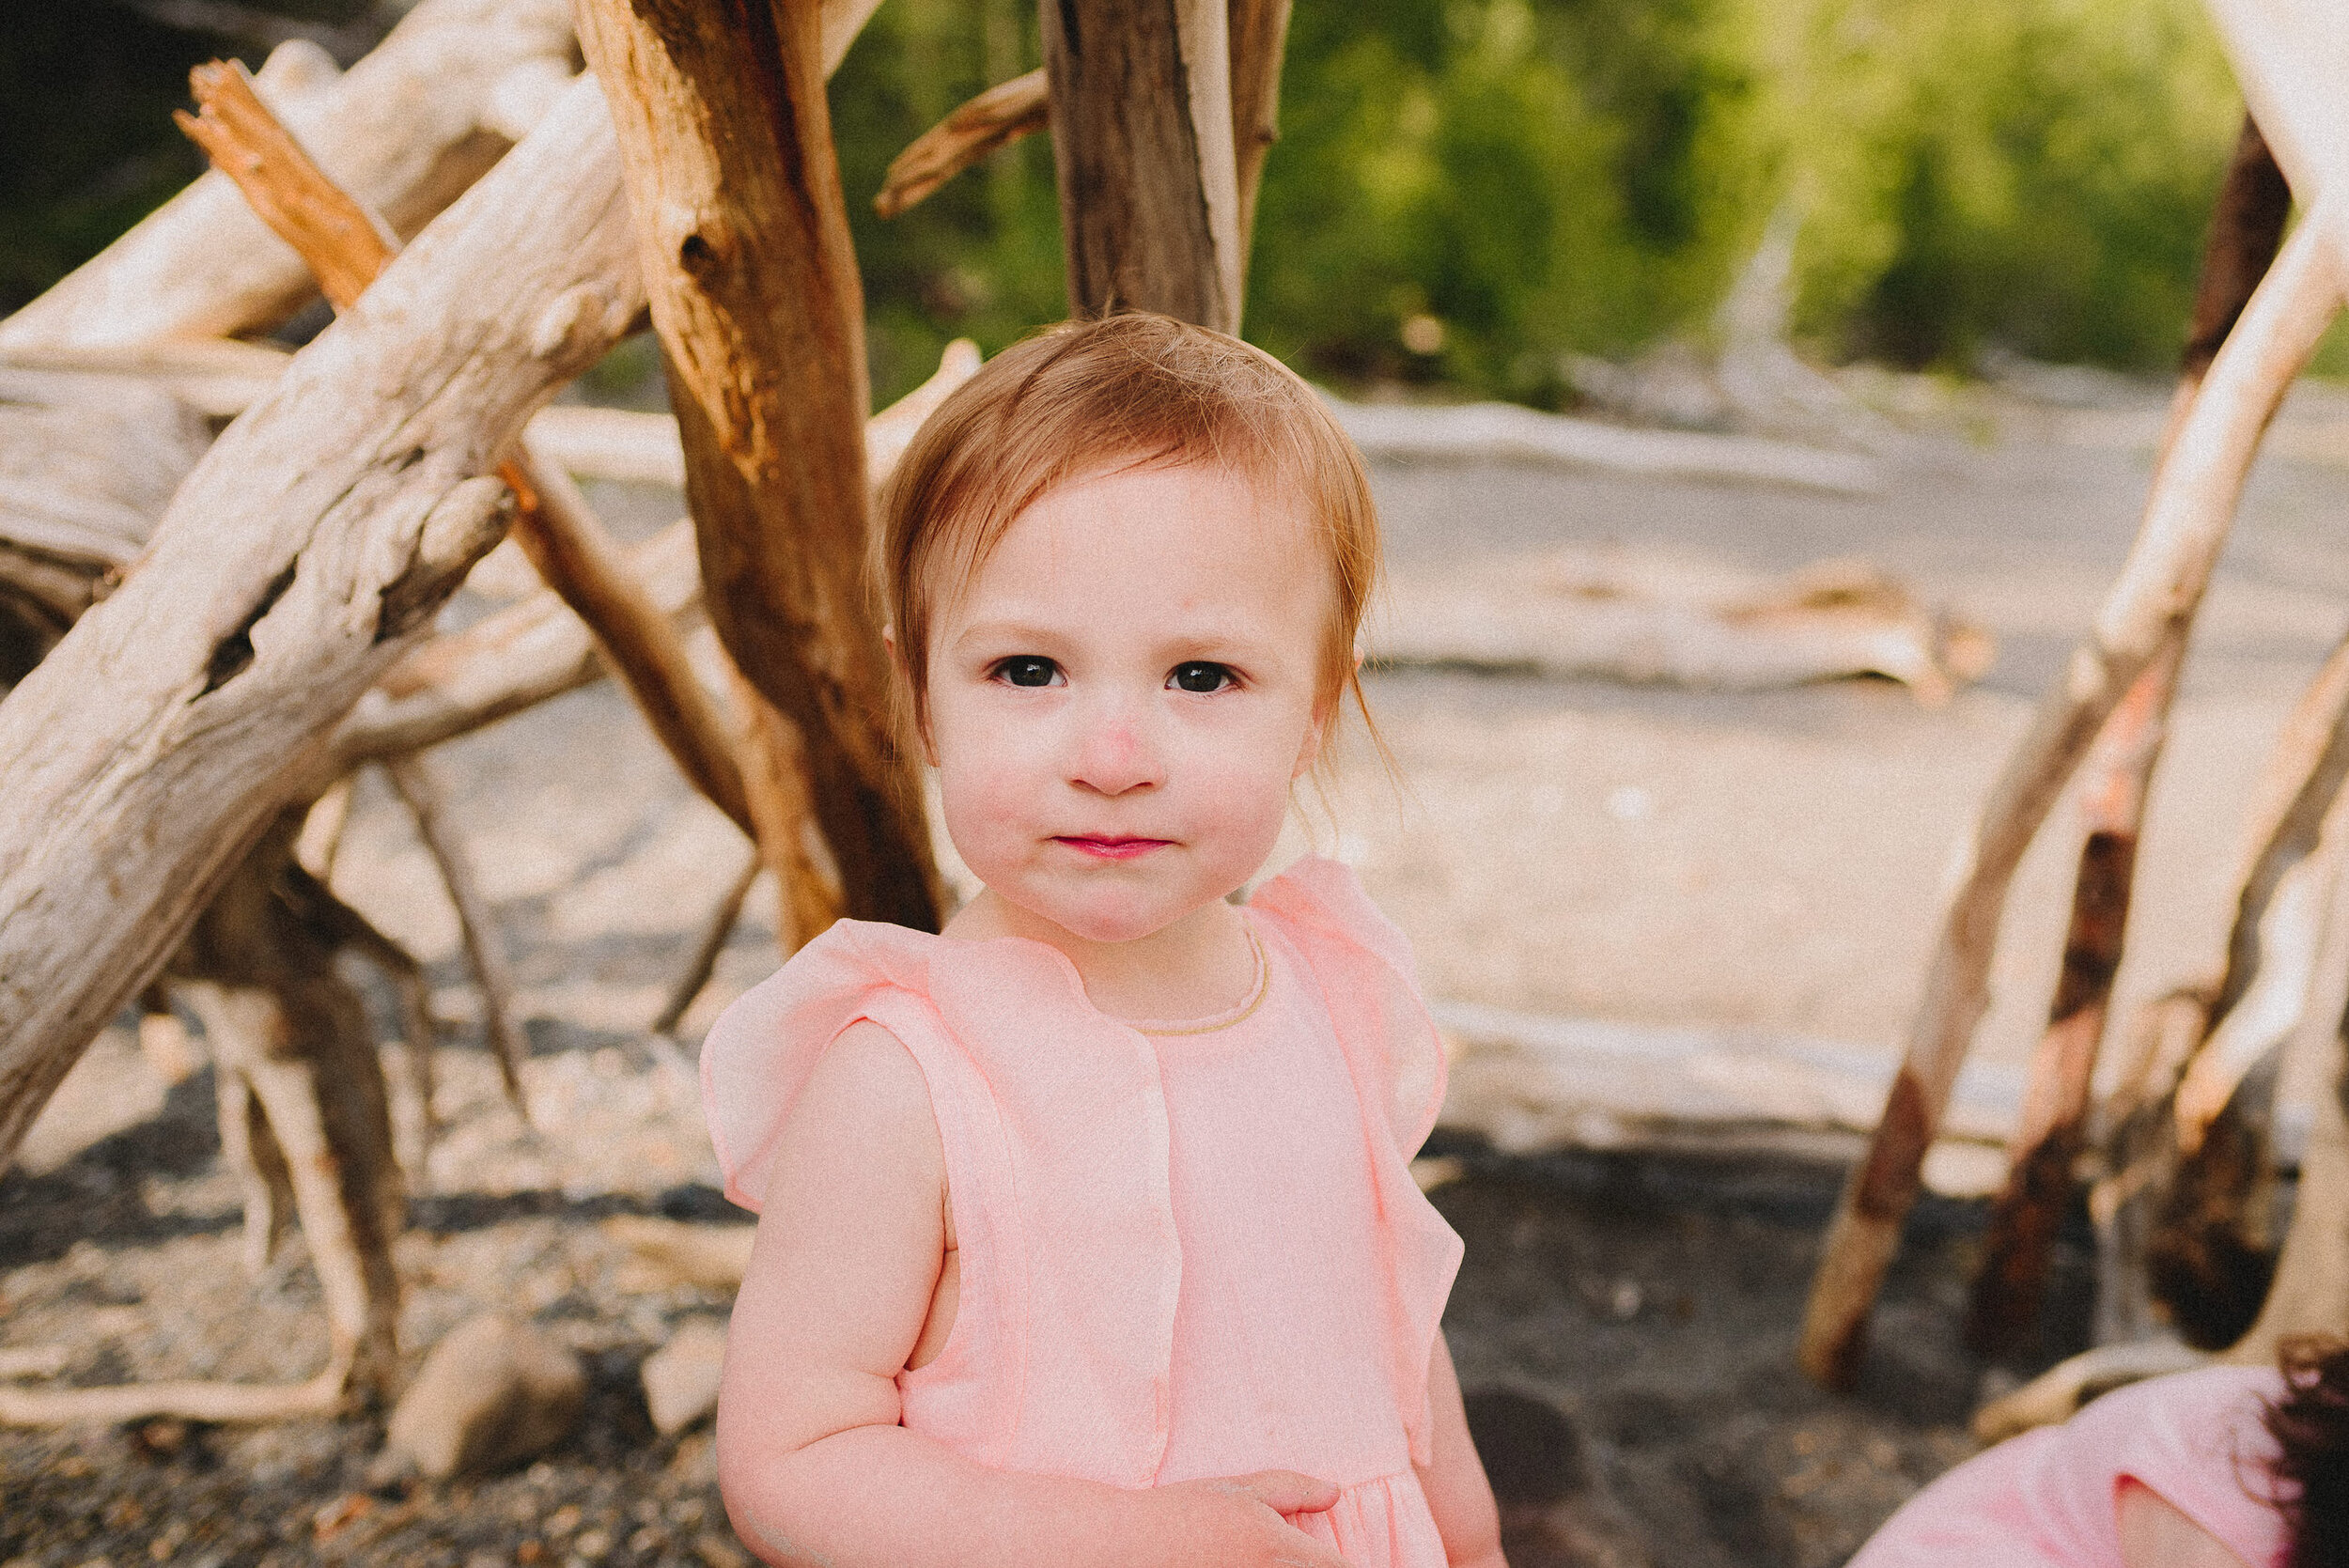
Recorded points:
(2047, 1499)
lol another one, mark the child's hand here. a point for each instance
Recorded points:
(1238, 1521)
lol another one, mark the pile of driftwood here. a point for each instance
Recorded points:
(2179, 1157)
(206, 634)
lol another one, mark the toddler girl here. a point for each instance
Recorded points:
(1086, 1234)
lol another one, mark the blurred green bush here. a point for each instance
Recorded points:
(1467, 191)
(1532, 178)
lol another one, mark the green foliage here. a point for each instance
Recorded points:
(2035, 173)
(1543, 178)
(1466, 191)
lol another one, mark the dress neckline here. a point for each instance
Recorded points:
(1237, 1012)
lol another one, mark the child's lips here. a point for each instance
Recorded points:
(1112, 848)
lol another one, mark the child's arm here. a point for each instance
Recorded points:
(1457, 1493)
(815, 1468)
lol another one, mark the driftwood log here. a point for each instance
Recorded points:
(726, 143)
(2187, 514)
(311, 544)
(1655, 619)
(536, 649)
(348, 246)
(405, 131)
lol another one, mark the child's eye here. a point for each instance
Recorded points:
(1200, 675)
(1027, 669)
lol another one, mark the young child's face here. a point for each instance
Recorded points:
(1124, 693)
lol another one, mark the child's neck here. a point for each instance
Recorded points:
(1197, 966)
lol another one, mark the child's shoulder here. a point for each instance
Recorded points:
(862, 987)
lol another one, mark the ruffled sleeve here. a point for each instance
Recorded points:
(1367, 970)
(1362, 968)
(759, 1053)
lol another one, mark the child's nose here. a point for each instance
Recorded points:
(1115, 754)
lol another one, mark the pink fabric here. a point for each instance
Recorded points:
(1183, 1254)
(2045, 1499)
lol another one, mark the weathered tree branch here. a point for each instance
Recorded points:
(2187, 514)
(1003, 114)
(726, 141)
(2246, 229)
(347, 246)
(536, 649)
(344, 244)
(317, 536)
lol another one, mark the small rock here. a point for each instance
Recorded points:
(681, 1377)
(492, 1393)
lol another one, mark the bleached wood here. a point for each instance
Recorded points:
(348, 247)
(315, 539)
(2246, 229)
(1530, 1082)
(1503, 432)
(404, 130)
(536, 649)
(344, 243)
(88, 462)
(2187, 514)
(1647, 619)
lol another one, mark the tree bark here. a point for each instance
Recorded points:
(726, 142)
(315, 539)
(405, 131)
(2028, 1211)
(1142, 109)
(2187, 514)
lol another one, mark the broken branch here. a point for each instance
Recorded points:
(1003, 114)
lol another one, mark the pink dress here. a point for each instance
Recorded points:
(1187, 1250)
(2047, 1499)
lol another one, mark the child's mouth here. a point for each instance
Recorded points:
(1113, 848)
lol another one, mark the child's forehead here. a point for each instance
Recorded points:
(1205, 532)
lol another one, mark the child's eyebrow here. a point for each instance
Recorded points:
(1006, 632)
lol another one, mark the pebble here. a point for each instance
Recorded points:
(493, 1392)
(681, 1377)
